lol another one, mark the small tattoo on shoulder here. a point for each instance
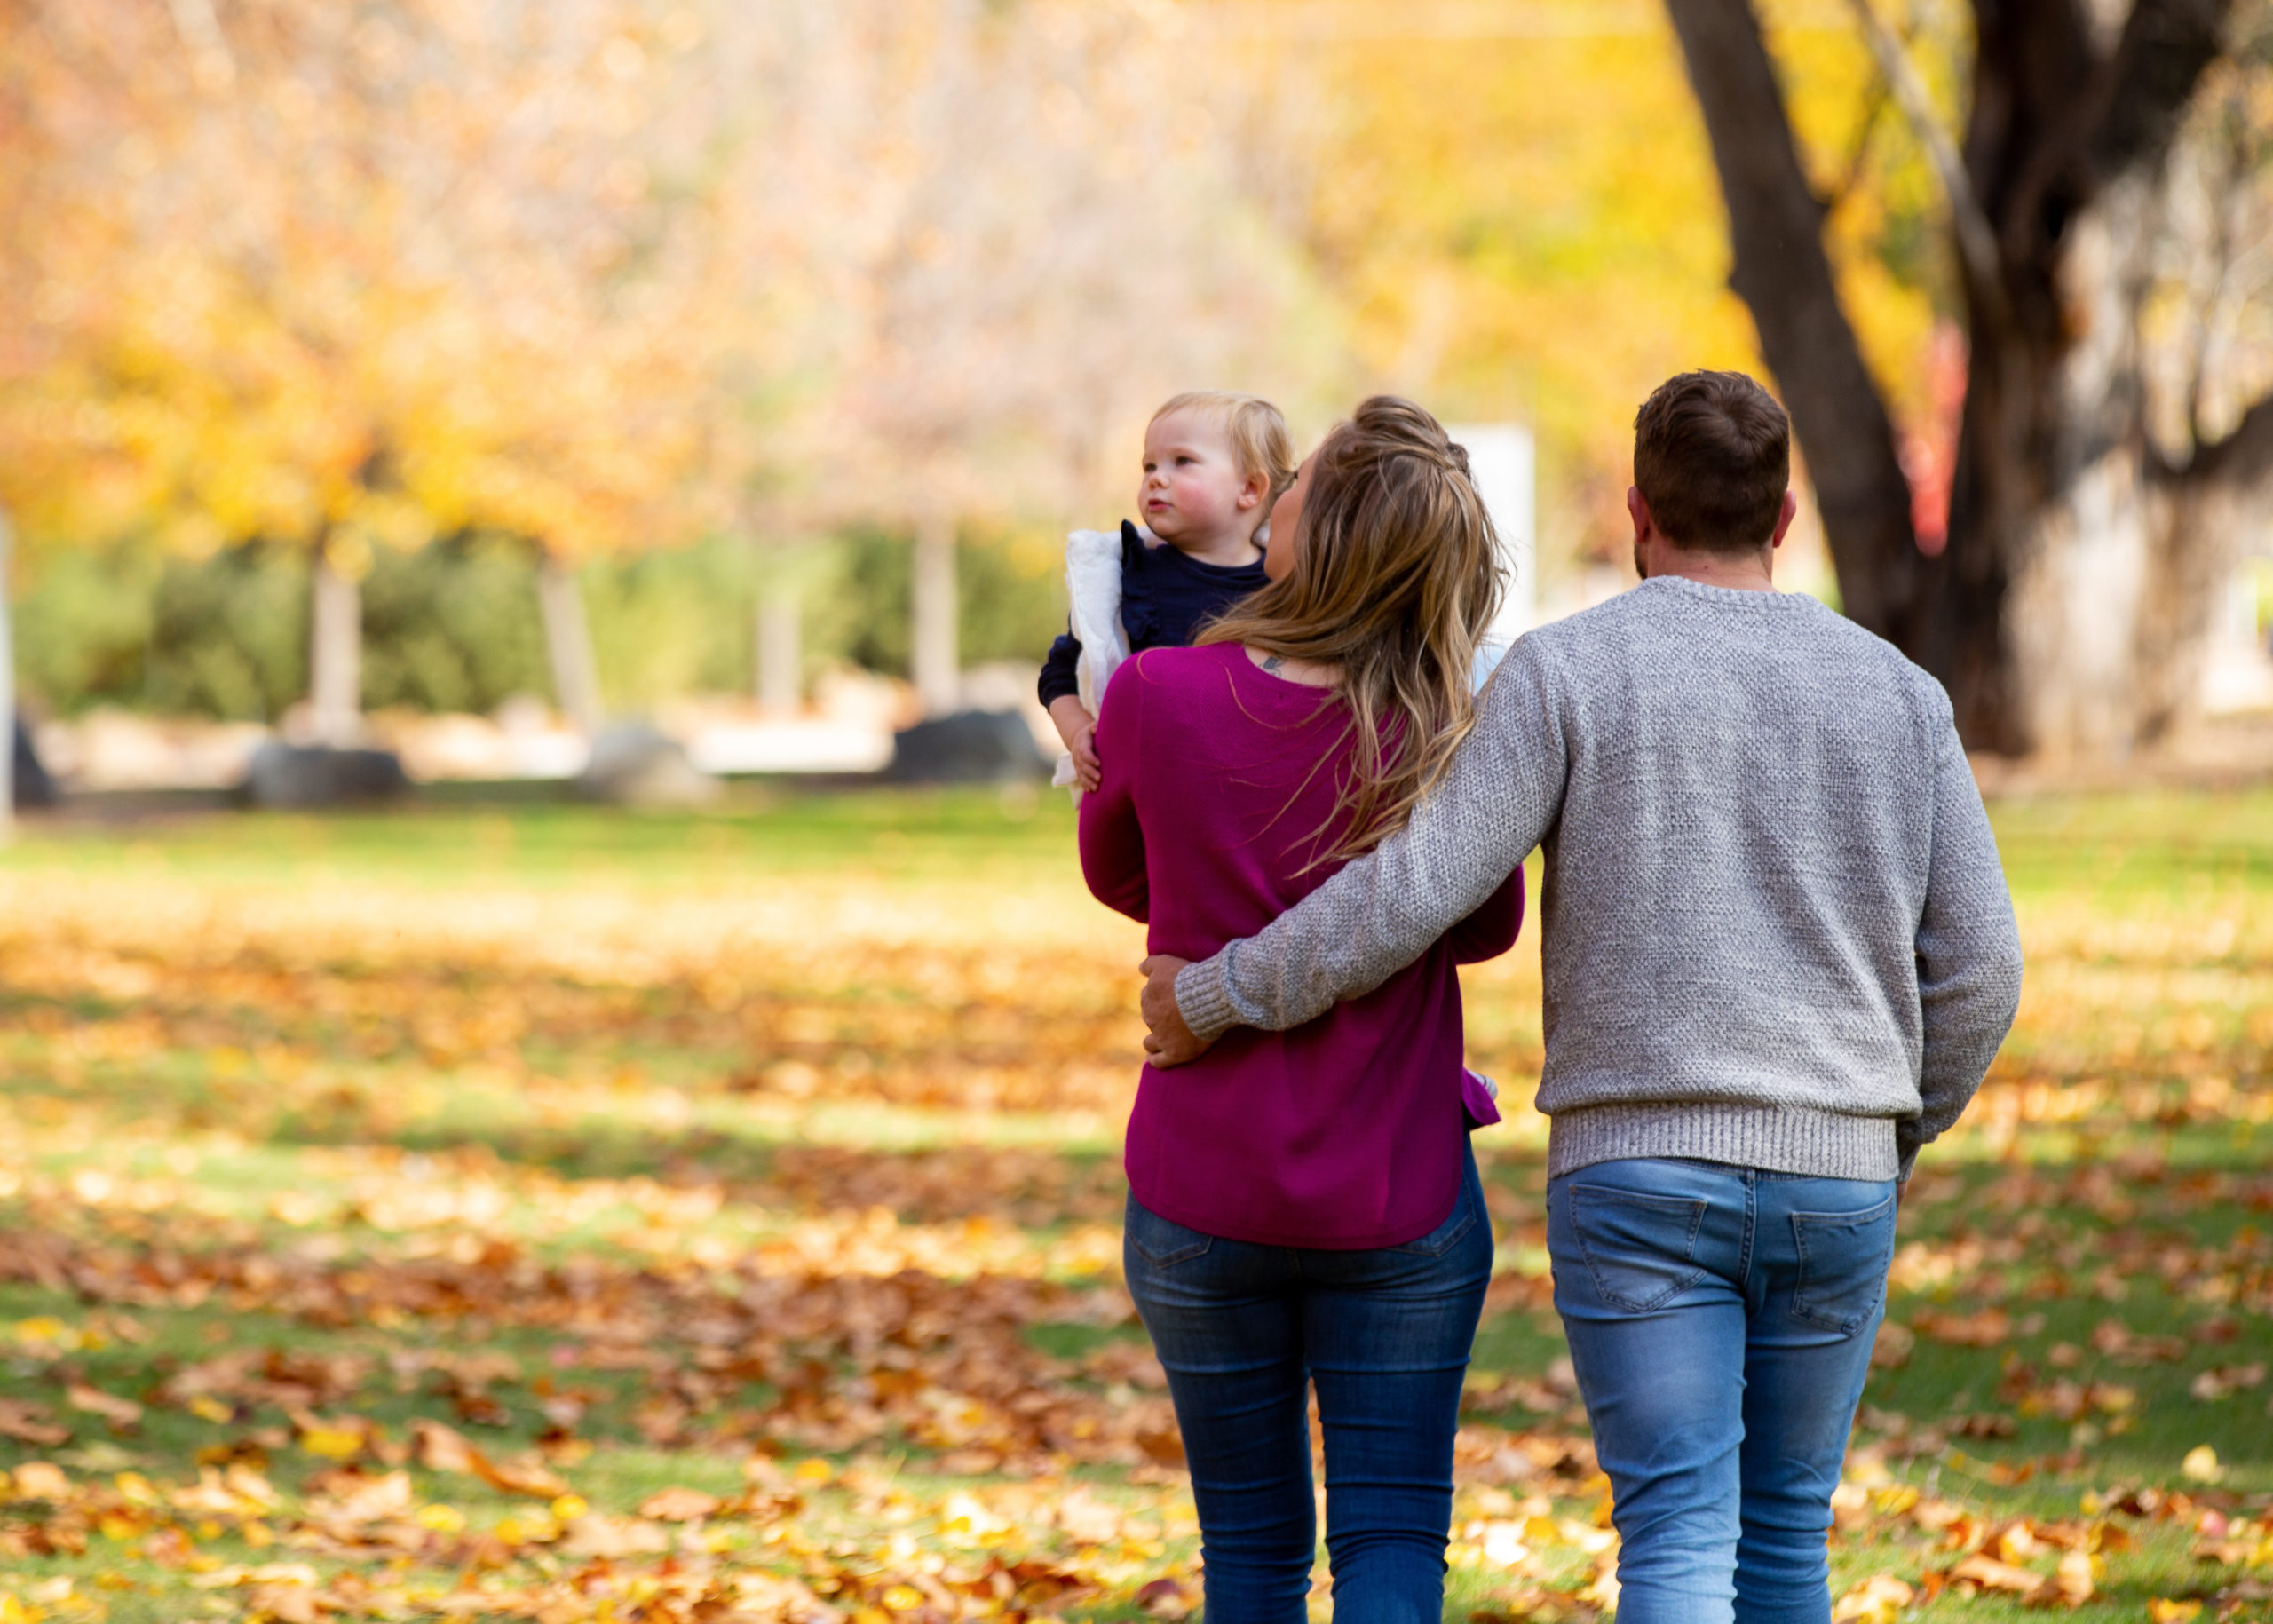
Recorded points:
(1272, 662)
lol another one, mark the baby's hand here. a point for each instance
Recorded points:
(1088, 771)
(1079, 729)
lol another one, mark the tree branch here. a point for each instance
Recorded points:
(2242, 460)
(1783, 275)
(1977, 237)
(1850, 173)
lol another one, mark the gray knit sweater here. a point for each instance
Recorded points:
(1777, 932)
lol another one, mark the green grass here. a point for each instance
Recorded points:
(787, 1134)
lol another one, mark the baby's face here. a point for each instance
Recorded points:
(1192, 493)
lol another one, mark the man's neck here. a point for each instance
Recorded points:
(1750, 572)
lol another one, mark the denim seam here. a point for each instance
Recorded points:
(1751, 1229)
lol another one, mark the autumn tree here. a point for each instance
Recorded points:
(2107, 218)
(603, 275)
(1051, 237)
(336, 280)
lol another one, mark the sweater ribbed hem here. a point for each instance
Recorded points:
(1779, 1139)
(1204, 1000)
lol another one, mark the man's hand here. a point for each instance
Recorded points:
(1170, 1041)
(1079, 730)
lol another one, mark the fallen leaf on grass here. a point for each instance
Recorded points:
(31, 1423)
(1165, 1598)
(286, 1603)
(1991, 1327)
(1165, 1448)
(441, 1448)
(678, 1505)
(2165, 1610)
(445, 1449)
(2076, 1578)
(40, 1480)
(609, 1537)
(332, 1443)
(1875, 1601)
(119, 1412)
(2118, 1341)
(519, 1477)
(1987, 1574)
(2201, 1465)
(2223, 1380)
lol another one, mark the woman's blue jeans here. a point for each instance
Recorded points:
(1242, 1329)
(1720, 1321)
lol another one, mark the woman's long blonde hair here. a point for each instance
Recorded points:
(1396, 576)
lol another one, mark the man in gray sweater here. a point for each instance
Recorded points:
(1779, 956)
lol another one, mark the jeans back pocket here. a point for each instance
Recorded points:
(1640, 1250)
(1163, 1241)
(1844, 1262)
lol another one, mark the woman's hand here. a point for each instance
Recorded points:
(1169, 1041)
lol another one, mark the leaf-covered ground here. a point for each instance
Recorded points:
(563, 1216)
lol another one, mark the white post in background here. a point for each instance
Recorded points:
(7, 685)
(335, 651)
(568, 644)
(1503, 460)
(937, 666)
(781, 652)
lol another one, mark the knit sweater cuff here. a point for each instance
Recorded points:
(1204, 1000)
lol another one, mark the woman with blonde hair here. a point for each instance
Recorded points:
(1303, 1207)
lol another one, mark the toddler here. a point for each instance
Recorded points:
(1214, 462)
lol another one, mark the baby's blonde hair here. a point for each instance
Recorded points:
(1260, 443)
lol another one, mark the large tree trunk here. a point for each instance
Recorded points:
(1783, 273)
(568, 644)
(2082, 568)
(2067, 612)
(335, 651)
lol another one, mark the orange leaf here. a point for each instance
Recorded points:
(441, 1448)
(1990, 1574)
(527, 1478)
(678, 1505)
(94, 1401)
(30, 1423)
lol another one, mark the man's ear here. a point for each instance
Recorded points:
(1784, 516)
(1637, 508)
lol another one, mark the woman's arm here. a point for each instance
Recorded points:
(1112, 837)
(1491, 929)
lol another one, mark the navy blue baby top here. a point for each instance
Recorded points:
(1165, 597)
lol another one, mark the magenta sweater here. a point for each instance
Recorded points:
(1345, 1132)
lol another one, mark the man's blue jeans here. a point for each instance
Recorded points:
(1721, 1321)
(1385, 1336)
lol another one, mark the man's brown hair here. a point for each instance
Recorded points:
(1713, 458)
